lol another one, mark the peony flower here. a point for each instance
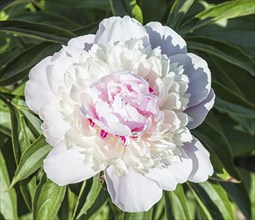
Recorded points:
(123, 101)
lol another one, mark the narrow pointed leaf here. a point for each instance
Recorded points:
(219, 197)
(31, 159)
(229, 53)
(91, 197)
(8, 204)
(19, 68)
(179, 204)
(177, 12)
(226, 10)
(47, 200)
(127, 7)
(36, 30)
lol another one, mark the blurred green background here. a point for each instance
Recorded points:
(222, 32)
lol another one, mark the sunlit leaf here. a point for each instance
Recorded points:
(127, 7)
(91, 197)
(219, 197)
(47, 200)
(177, 12)
(8, 204)
(225, 10)
(201, 204)
(178, 203)
(31, 159)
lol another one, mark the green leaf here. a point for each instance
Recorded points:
(252, 192)
(91, 197)
(15, 3)
(230, 96)
(6, 98)
(200, 203)
(238, 32)
(8, 204)
(226, 10)
(207, 206)
(5, 126)
(18, 68)
(31, 159)
(219, 197)
(100, 203)
(233, 109)
(240, 142)
(127, 7)
(139, 215)
(240, 196)
(168, 211)
(177, 12)
(229, 53)
(232, 82)
(154, 10)
(179, 204)
(158, 209)
(47, 200)
(36, 30)
(33, 122)
(27, 188)
(48, 18)
(9, 55)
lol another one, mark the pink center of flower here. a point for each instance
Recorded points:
(122, 104)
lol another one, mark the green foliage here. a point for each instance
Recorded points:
(222, 33)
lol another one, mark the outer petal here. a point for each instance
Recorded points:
(199, 112)
(55, 72)
(54, 127)
(44, 79)
(132, 193)
(199, 76)
(37, 90)
(194, 165)
(120, 29)
(167, 39)
(83, 42)
(65, 166)
(201, 164)
(168, 178)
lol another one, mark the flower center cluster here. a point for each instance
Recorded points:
(123, 104)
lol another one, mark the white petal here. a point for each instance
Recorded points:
(120, 29)
(132, 193)
(55, 72)
(37, 90)
(201, 164)
(65, 166)
(169, 177)
(53, 122)
(82, 42)
(167, 39)
(199, 76)
(199, 112)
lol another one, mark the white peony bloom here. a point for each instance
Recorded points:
(123, 101)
